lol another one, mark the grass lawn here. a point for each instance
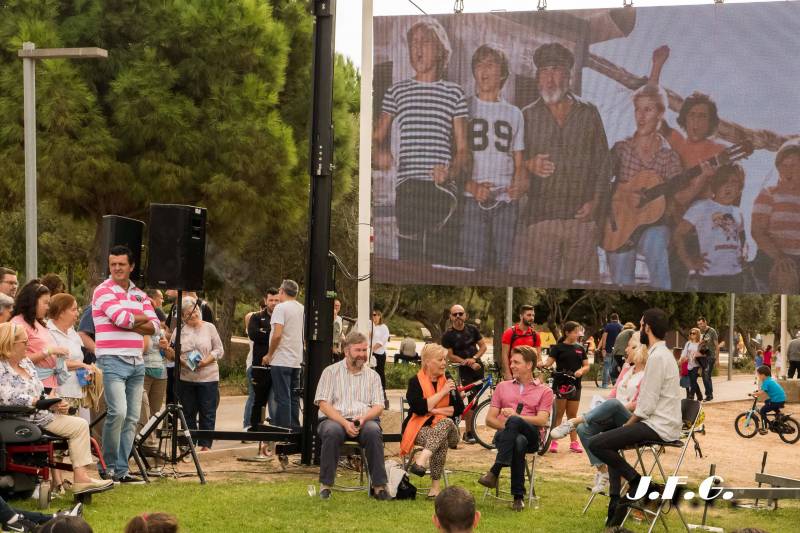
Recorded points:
(245, 506)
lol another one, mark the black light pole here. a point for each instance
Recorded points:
(319, 295)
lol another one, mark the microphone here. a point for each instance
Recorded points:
(453, 393)
(519, 408)
(356, 422)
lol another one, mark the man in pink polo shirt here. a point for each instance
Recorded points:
(122, 314)
(520, 409)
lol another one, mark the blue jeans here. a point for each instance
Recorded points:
(608, 415)
(487, 235)
(124, 385)
(652, 244)
(608, 366)
(248, 405)
(200, 401)
(285, 412)
(7, 513)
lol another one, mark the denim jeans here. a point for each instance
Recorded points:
(331, 437)
(694, 388)
(124, 386)
(200, 401)
(286, 411)
(513, 442)
(652, 244)
(487, 235)
(7, 513)
(708, 370)
(248, 405)
(608, 415)
(608, 366)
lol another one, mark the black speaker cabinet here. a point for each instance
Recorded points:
(176, 247)
(126, 232)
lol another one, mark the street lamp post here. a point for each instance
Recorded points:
(30, 54)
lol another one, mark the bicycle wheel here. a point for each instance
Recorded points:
(747, 424)
(789, 430)
(483, 433)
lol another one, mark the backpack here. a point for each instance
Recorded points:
(514, 335)
(399, 486)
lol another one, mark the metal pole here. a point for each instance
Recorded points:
(319, 294)
(509, 306)
(784, 333)
(365, 170)
(732, 337)
(29, 122)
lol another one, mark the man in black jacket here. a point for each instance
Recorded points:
(258, 329)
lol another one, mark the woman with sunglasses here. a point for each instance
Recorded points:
(690, 355)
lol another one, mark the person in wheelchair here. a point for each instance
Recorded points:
(771, 393)
(520, 409)
(20, 386)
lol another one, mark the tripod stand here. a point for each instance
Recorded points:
(173, 412)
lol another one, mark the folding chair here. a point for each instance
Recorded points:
(690, 414)
(638, 465)
(363, 468)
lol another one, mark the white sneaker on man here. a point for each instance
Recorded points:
(601, 482)
(562, 430)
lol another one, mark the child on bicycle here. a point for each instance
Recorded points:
(771, 392)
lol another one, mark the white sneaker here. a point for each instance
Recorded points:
(561, 431)
(601, 482)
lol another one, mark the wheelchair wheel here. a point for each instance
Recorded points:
(43, 501)
(788, 430)
(483, 433)
(747, 424)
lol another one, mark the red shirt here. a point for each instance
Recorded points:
(520, 338)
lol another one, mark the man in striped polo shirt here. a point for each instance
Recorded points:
(350, 400)
(122, 314)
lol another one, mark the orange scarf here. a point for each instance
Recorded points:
(416, 422)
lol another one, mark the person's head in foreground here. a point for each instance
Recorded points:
(66, 524)
(152, 523)
(455, 511)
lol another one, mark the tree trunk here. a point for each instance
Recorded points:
(394, 302)
(94, 274)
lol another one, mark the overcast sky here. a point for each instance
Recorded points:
(348, 13)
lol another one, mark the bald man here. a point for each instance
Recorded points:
(465, 346)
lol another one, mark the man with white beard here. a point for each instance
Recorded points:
(567, 158)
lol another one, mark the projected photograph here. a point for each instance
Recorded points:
(633, 148)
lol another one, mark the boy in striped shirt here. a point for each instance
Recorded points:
(122, 315)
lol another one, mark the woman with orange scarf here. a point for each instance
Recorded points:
(433, 403)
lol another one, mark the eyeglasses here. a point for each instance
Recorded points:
(457, 314)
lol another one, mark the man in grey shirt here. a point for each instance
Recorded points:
(711, 339)
(286, 356)
(793, 355)
(657, 416)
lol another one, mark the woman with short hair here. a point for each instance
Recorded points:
(201, 347)
(433, 404)
(6, 307)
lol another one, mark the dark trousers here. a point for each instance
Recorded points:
(607, 445)
(170, 384)
(794, 366)
(513, 442)
(7, 513)
(694, 387)
(286, 413)
(380, 368)
(262, 384)
(332, 435)
(769, 406)
(420, 208)
(708, 369)
(200, 401)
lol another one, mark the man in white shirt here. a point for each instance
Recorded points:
(350, 400)
(286, 355)
(657, 416)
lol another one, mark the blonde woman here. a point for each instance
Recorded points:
(433, 403)
(691, 351)
(20, 385)
(612, 413)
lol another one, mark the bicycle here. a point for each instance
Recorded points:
(748, 423)
(483, 433)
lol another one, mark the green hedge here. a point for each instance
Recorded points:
(397, 375)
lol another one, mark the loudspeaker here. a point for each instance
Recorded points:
(176, 247)
(128, 232)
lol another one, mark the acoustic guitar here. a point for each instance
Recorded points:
(642, 202)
